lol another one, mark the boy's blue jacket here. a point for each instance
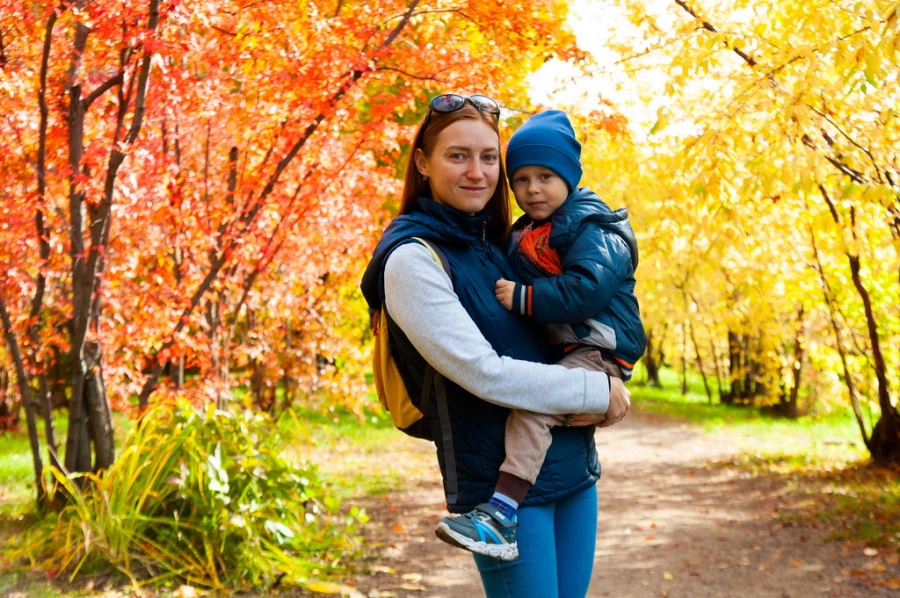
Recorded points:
(592, 302)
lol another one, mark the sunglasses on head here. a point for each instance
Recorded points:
(451, 102)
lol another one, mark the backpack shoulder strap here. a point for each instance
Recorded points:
(437, 255)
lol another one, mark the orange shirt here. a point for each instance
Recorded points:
(534, 246)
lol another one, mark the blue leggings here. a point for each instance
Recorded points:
(556, 552)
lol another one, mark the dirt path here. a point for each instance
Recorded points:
(673, 523)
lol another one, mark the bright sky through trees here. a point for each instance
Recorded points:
(637, 94)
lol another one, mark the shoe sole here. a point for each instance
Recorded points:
(503, 552)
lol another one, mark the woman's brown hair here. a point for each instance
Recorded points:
(497, 207)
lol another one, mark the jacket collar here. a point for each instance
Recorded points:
(453, 225)
(430, 221)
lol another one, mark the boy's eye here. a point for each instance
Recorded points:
(490, 158)
(457, 156)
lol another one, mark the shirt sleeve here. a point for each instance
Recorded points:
(420, 299)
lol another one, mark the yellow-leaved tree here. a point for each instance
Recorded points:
(765, 191)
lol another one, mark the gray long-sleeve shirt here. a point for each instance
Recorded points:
(418, 290)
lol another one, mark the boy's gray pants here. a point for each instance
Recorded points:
(528, 433)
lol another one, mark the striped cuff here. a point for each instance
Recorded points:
(522, 299)
(627, 368)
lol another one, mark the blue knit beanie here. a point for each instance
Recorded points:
(547, 140)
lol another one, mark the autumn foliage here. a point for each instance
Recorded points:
(190, 187)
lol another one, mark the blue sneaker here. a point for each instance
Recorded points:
(483, 530)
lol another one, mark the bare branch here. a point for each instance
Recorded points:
(833, 308)
(103, 88)
(143, 78)
(709, 27)
(831, 208)
(846, 136)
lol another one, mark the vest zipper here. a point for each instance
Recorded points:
(484, 244)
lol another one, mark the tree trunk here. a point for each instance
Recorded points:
(651, 362)
(684, 382)
(884, 444)
(886, 433)
(828, 295)
(179, 372)
(25, 393)
(788, 404)
(700, 363)
(747, 389)
(885, 439)
(717, 365)
(7, 422)
(46, 401)
(99, 415)
(287, 380)
(734, 369)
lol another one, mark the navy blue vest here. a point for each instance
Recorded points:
(478, 426)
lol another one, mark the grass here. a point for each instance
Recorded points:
(18, 504)
(827, 437)
(17, 492)
(342, 444)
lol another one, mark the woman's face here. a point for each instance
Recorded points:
(464, 167)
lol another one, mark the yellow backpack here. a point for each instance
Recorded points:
(407, 409)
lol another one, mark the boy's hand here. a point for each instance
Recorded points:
(504, 292)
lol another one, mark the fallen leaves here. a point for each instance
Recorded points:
(331, 588)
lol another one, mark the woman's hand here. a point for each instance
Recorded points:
(619, 404)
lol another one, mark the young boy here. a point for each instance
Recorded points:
(577, 258)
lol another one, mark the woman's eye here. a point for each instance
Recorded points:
(457, 156)
(490, 158)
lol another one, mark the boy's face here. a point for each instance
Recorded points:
(539, 191)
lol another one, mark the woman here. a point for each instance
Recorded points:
(455, 197)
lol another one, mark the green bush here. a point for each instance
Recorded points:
(199, 498)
